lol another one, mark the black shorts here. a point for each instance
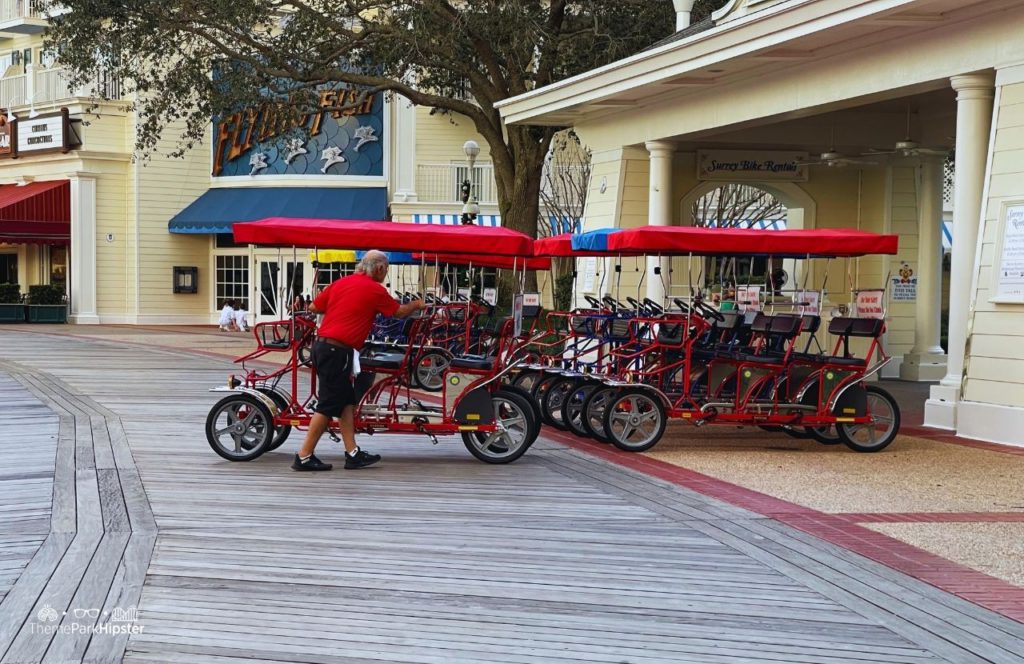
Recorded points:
(334, 378)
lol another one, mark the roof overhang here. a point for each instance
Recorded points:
(777, 37)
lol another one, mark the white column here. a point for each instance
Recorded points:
(975, 93)
(83, 250)
(659, 210)
(404, 150)
(927, 361)
(683, 9)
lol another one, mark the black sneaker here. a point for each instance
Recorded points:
(312, 463)
(361, 459)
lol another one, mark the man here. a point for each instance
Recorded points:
(349, 305)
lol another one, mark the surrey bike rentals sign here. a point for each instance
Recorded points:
(344, 136)
(741, 165)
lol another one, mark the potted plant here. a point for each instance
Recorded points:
(11, 308)
(47, 304)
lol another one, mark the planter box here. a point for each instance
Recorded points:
(47, 313)
(12, 313)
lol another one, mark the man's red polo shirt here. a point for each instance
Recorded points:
(350, 304)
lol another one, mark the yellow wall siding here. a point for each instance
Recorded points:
(114, 262)
(166, 186)
(440, 137)
(995, 363)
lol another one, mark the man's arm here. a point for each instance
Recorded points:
(409, 307)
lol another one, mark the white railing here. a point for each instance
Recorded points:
(11, 10)
(51, 86)
(440, 183)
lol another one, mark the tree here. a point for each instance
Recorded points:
(187, 61)
(565, 182)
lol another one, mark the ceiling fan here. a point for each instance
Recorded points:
(908, 147)
(833, 158)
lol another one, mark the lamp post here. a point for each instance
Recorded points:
(470, 206)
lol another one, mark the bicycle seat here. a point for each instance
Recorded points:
(382, 361)
(473, 362)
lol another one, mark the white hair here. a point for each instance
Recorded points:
(372, 261)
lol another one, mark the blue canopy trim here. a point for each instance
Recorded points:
(218, 209)
(394, 257)
(593, 240)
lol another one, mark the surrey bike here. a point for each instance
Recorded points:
(497, 424)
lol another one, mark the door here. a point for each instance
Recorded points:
(279, 281)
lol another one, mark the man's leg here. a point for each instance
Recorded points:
(317, 426)
(348, 428)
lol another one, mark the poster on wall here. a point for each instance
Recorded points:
(748, 298)
(1010, 285)
(344, 136)
(807, 302)
(589, 273)
(904, 286)
(871, 303)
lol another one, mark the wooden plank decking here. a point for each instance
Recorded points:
(430, 557)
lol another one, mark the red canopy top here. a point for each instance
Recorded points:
(383, 235)
(503, 262)
(557, 245)
(676, 240)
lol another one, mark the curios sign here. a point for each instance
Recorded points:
(743, 165)
(344, 136)
(52, 132)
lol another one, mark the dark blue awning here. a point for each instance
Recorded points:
(217, 209)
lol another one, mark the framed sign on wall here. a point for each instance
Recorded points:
(1009, 270)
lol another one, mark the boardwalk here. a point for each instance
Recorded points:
(430, 557)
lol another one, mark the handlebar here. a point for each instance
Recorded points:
(592, 301)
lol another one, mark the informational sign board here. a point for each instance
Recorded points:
(491, 296)
(517, 314)
(531, 299)
(871, 304)
(465, 292)
(24, 137)
(748, 298)
(904, 286)
(40, 134)
(1010, 283)
(808, 302)
(733, 165)
(589, 273)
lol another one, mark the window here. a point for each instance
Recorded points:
(232, 280)
(8, 268)
(58, 265)
(328, 272)
(227, 241)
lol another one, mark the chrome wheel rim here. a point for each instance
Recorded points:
(635, 420)
(239, 427)
(512, 433)
(430, 370)
(555, 400)
(881, 427)
(595, 413)
(574, 407)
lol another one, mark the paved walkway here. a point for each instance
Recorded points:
(430, 557)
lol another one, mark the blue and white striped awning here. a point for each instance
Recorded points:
(947, 236)
(455, 219)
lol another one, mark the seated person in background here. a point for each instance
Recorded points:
(227, 316)
(241, 319)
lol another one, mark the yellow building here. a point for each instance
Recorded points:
(146, 240)
(863, 98)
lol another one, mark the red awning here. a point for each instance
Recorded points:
(36, 213)
(503, 262)
(557, 245)
(383, 235)
(676, 240)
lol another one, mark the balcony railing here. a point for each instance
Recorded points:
(49, 86)
(440, 183)
(11, 10)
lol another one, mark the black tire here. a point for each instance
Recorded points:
(526, 379)
(572, 408)
(593, 412)
(554, 397)
(428, 369)
(827, 435)
(540, 387)
(282, 431)
(800, 433)
(252, 424)
(635, 411)
(516, 413)
(865, 437)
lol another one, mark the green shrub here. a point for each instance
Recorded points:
(10, 294)
(563, 292)
(46, 294)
